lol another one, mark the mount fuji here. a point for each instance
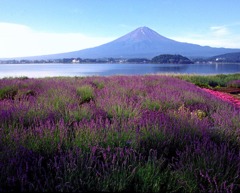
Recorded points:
(143, 42)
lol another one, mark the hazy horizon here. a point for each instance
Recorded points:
(30, 28)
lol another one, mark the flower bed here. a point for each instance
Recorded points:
(116, 134)
(224, 96)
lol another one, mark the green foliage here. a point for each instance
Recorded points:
(221, 80)
(104, 137)
(31, 115)
(118, 181)
(227, 58)
(118, 139)
(81, 113)
(8, 92)
(59, 104)
(86, 93)
(84, 138)
(120, 112)
(171, 59)
(186, 181)
(24, 94)
(45, 142)
(23, 78)
(138, 60)
(150, 178)
(152, 105)
(99, 85)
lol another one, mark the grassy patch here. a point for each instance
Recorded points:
(220, 80)
(8, 92)
(86, 93)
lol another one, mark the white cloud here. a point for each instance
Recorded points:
(219, 30)
(20, 40)
(215, 36)
(210, 41)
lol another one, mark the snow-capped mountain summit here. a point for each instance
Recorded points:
(143, 42)
(142, 34)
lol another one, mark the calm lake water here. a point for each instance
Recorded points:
(51, 70)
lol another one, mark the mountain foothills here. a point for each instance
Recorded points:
(229, 57)
(140, 43)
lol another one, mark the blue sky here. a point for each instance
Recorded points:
(36, 27)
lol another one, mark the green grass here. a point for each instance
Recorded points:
(8, 92)
(209, 81)
(99, 85)
(86, 93)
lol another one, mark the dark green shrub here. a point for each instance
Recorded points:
(211, 80)
(213, 83)
(86, 93)
(8, 92)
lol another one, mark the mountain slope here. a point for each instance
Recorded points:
(229, 57)
(142, 42)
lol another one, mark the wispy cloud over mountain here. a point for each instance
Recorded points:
(215, 36)
(220, 30)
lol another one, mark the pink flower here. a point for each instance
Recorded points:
(224, 96)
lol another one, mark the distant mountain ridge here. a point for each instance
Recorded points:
(228, 57)
(143, 42)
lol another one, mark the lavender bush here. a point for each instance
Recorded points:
(111, 134)
(234, 84)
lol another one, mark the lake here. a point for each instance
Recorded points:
(55, 69)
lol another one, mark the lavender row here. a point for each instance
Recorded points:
(120, 133)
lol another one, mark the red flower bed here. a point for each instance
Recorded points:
(224, 96)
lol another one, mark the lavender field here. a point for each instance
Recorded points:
(147, 133)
